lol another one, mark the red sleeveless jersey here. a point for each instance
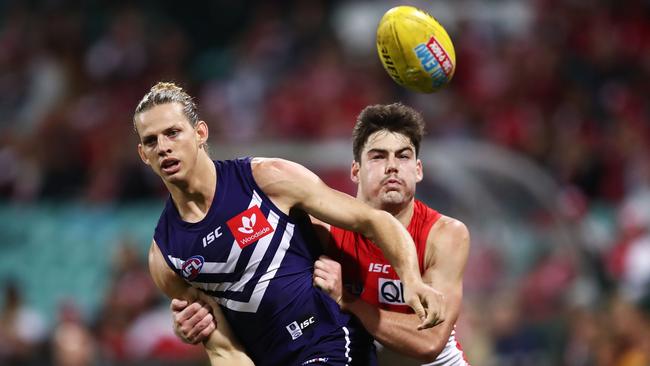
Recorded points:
(367, 273)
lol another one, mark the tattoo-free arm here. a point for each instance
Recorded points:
(446, 257)
(222, 346)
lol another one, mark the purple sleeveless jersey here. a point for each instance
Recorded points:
(257, 263)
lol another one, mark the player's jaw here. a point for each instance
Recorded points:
(392, 187)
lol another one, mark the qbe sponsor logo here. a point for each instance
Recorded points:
(391, 292)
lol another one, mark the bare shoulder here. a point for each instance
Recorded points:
(270, 170)
(449, 229)
(285, 182)
(448, 237)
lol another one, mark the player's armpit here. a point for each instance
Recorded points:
(324, 236)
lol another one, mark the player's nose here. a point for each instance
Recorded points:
(164, 146)
(391, 165)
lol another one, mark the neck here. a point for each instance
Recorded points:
(194, 196)
(402, 212)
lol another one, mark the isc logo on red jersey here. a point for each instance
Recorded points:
(249, 226)
(379, 268)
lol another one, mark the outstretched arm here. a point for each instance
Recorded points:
(291, 185)
(448, 242)
(221, 346)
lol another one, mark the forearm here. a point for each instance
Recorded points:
(229, 357)
(398, 332)
(396, 244)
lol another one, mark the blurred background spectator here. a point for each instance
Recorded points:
(22, 330)
(541, 144)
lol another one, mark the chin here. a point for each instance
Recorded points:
(392, 198)
(174, 178)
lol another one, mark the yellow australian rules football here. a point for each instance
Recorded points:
(415, 49)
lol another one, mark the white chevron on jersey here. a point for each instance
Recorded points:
(235, 251)
(258, 293)
(251, 268)
(258, 253)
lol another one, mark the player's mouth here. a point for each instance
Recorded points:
(392, 183)
(170, 166)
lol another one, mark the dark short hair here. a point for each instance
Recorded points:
(394, 117)
(164, 93)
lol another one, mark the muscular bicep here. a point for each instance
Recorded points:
(290, 185)
(222, 345)
(163, 276)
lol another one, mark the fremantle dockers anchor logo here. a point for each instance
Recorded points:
(192, 267)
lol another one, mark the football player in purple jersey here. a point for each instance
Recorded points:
(252, 212)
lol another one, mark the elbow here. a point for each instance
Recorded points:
(430, 352)
(373, 222)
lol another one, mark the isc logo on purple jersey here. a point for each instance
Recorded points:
(192, 267)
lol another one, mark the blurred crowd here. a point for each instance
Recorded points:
(569, 90)
(131, 327)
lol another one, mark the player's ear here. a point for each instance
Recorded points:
(143, 157)
(354, 171)
(419, 174)
(202, 132)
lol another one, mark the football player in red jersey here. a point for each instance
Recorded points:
(386, 169)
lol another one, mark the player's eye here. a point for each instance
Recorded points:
(149, 141)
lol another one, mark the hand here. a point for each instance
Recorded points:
(327, 277)
(193, 323)
(427, 302)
